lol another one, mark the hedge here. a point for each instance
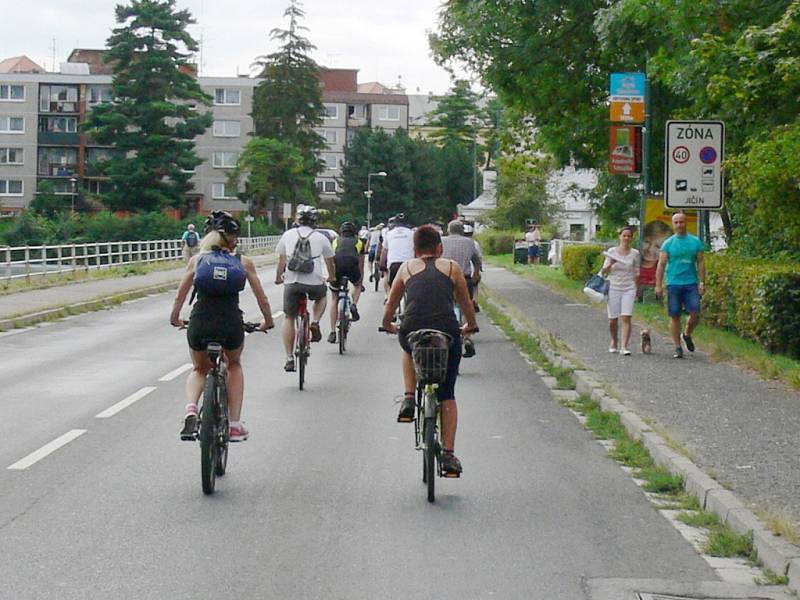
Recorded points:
(579, 262)
(499, 241)
(757, 299)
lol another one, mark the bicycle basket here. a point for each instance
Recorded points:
(429, 351)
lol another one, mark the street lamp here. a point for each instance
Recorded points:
(73, 181)
(368, 194)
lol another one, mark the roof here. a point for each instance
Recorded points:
(356, 98)
(20, 64)
(94, 58)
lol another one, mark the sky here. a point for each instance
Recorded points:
(386, 40)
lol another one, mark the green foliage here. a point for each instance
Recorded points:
(46, 203)
(498, 241)
(275, 173)
(150, 121)
(522, 192)
(757, 299)
(287, 104)
(579, 262)
(456, 115)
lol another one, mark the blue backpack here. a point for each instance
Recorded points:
(220, 274)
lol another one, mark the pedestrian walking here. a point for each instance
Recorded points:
(622, 267)
(534, 238)
(683, 259)
(191, 242)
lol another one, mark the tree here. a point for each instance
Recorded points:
(151, 121)
(287, 104)
(456, 116)
(274, 173)
(522, 191)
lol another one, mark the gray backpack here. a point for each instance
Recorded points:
(302, 260)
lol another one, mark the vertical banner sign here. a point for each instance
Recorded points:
(693, 164)
(627, 93)
(625, 150)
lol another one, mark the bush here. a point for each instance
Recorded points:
(579, 262)
(498, 241)
(757, 299)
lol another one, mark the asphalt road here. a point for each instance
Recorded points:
(325, 501)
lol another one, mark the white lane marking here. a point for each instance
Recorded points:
(47, 449)
(576, 304)
(173, 374)
(122, 404)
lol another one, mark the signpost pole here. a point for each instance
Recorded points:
(646, 138)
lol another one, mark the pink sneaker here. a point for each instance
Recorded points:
(238, 433)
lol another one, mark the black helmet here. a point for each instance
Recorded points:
(400, 219)
(348, 228)
(307, 215)
(222, 221)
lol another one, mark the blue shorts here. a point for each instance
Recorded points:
(680, 297)
(373, 253)
(533, 251)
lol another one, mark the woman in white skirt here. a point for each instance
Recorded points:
(621, 266)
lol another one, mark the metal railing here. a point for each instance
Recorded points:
(31, 261)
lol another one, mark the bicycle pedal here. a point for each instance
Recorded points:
(451, 475)
(189, 438)
(405, 419)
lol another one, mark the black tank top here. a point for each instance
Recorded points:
(429, 301)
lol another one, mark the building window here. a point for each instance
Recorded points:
(12, 93)
(100, 93)
(331, 161)
(11, 156)
(93, 186)
(577, 232)
(330, 187)
(12, 124)
(58, 124)
(219, 191)
(389, 113)
(330, 136)
(330, 111)
(11, 187)
(227, 97)
(227, 129)
(58, 98)
(357, 111)
(57, 162)
(225, 160)
(61, 187)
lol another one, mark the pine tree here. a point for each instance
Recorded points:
(287, 104)
(151, 121)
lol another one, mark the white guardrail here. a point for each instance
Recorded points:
(30, 261)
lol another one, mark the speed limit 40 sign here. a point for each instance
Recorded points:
(693, 170)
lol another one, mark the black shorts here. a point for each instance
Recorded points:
(292, 292)
(349, 269)
(446, 390)
(393, 269)
(225, 329)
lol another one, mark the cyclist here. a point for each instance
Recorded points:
(216, 317)
(349, 260)
(458, 247)
(431, 284)
(297, 284)
(398, 247)
(469, 229)
(375, 240)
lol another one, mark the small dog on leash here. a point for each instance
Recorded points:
(647, 344)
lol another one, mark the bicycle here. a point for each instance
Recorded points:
(302, 346)
(213, 433)
(376, 274)
(343, 320)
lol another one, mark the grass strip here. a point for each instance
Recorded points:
(722, 541)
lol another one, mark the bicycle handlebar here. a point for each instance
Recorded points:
(249, 326)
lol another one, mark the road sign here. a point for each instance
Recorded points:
(628, 84)
(693, 170)
(249, 218)
(627, 109)
(625, 150)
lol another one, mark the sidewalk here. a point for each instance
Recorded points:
(27, 308)
(739, 429)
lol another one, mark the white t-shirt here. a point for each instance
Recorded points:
(399, 243)
(533, 237)
(374, 238)
(625, 270)
(320, 249)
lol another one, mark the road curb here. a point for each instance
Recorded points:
(775, 553)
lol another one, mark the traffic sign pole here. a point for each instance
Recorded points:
(646, 137)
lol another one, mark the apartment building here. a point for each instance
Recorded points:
(41, 113)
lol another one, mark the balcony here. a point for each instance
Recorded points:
(59, 106)
(53, 169)
(58, 138)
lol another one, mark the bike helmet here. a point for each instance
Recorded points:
(468, 229)
(348, 228)
(222, 221)
(306, 215)
(400, 219)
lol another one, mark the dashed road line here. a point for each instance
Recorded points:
(175, 372)
(46, 450)
(123, 404)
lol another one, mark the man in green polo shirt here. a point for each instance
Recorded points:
(683, 259)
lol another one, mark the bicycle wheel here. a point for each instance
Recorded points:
(343, 326)
(208, 436)
(429, 456)
(302, 349)
(222, 434)
(376, 277)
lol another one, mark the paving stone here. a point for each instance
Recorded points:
(794, 575)
(721, 502)
(699, 484)
(773, 551)
(742, 520)
(568, 395)
(549, 381)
